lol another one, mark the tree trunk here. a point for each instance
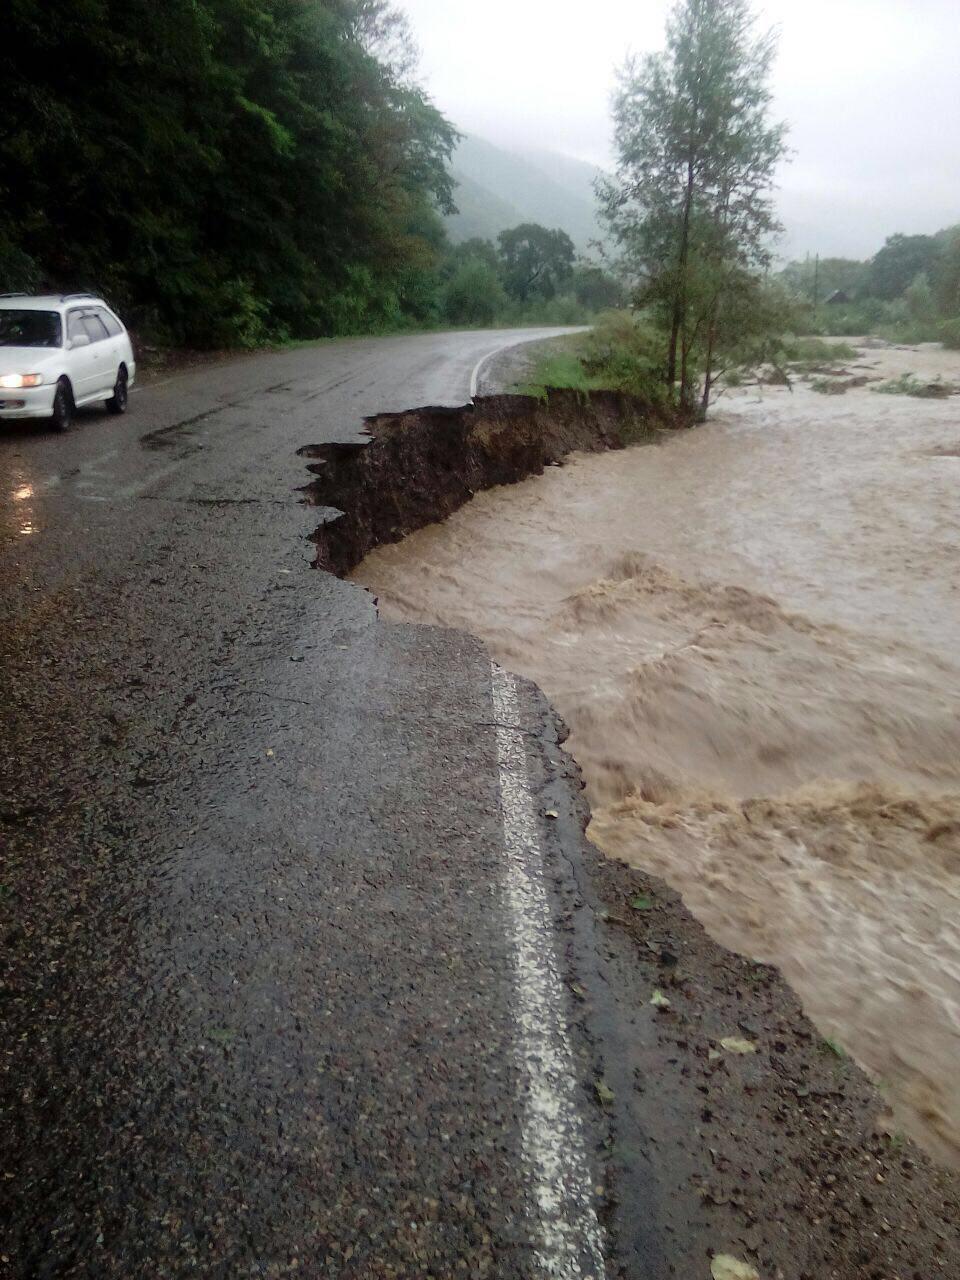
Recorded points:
(680, 291)
(707, 378)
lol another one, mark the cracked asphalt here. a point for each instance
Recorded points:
(258, 996)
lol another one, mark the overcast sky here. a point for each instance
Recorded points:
(870, 88)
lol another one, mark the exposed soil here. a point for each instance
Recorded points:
(778, 1149)
(420, 466)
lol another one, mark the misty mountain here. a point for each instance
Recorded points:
(500, 188)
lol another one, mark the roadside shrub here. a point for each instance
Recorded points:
(625, 352)
(474, 294)
(950, 334)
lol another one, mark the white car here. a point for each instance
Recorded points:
(60, 352)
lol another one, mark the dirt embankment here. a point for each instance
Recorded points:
(762, 1139)
(419, 466)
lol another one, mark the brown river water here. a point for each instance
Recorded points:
(751, 630)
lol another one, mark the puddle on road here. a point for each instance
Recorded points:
(751, 632)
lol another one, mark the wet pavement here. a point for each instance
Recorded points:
(259, 988)
(305, 966)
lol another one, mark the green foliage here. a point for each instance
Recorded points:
(596, 289)
(946, 276)
(950, 334)
(535, 261)
(557, 370)
(816, 279)
(919, 300)
(908, 292)
(225, 170)
(626, 353)
(691, 205)
(828, 386)
(474, 277)
(899, 262)
(474, 294)
(908, 384)
(620, 353)
(809, 350)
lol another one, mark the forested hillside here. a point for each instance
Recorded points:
(534, 186)
(227, 171)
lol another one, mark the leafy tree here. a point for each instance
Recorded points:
(535, 261)
(919, 298)
(899, 263)
(691, 201)
(596, 289)
(226, 170)
(474, 294)
(476, 249)
(946, 275)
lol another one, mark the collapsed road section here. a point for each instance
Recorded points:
(417, 467)
(753, 1142)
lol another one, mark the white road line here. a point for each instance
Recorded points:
(570, 1244)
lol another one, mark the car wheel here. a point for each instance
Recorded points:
(62, 406)
(121, 395)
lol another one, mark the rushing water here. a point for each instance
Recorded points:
(752, 633)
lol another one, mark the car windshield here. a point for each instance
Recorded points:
(29, 328)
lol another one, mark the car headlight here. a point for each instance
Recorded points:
(14, 381)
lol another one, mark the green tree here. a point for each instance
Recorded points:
(946, 275)
(226, 170)
(898, 264)
(596, 289)
(476, 249)
(473, 294)
(535, 261)
(697, 155)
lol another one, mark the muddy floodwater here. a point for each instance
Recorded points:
(752, 631)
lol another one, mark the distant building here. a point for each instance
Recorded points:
(838, 298)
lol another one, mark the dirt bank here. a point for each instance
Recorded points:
(420, 466)
(783, 1154)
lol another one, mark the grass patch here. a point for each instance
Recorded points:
(621, 352)
(908, 384)
(563, 369)
(812, 350)
(828, 387)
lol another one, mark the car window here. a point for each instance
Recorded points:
(75, 325)
(29, 328)
(95, 327)
(112, 324)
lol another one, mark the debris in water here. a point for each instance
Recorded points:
(733, 1044)
(726, 1267)
(604, 1093)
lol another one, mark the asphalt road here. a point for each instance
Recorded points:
(288, 939)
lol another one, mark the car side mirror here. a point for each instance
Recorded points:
(81, 340)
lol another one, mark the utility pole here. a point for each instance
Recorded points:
(816, 284)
